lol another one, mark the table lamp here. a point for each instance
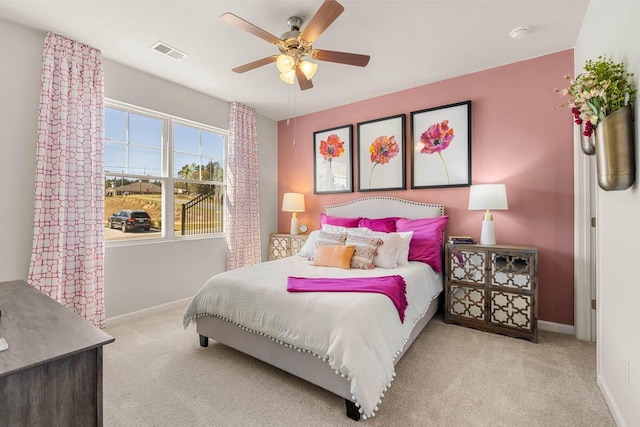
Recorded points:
(293, 202)
(486, 197)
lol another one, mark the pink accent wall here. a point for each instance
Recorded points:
(517, 139)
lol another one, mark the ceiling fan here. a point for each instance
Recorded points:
(296, 45)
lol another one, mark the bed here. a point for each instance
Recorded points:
(317, 356)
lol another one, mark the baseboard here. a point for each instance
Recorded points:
(560, 328)
(129, 317)
(611, 403)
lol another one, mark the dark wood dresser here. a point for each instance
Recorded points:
(51, 374)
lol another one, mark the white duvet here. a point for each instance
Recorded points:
(358, 334)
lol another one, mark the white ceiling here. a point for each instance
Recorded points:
(411, 43)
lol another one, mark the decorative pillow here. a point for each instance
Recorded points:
(387, 225)
(365, 250)
(326, 238)
(387, 255)
(309, 246)
(334, 256)
(426, 244)
(389, 251)
(338, 220)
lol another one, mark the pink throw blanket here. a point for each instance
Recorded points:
(392, 286)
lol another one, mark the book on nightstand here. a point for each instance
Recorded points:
(462, 240)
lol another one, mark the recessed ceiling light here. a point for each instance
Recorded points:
(519, 33)
(169, 51)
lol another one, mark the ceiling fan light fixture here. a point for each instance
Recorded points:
(288, 77)
(308, 68)
(285, 63)
(296, 44)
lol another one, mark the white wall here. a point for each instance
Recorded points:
(19, 99)
(611, 27)
(136, 276)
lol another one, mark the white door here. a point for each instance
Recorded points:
(594, 243)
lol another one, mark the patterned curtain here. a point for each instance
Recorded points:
(67, 262)
(243, 206)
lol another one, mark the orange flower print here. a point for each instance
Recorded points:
(331, 149)
(436, 139)
(382, 150)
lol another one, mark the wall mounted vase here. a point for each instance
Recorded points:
(587, 143)
(615, 150)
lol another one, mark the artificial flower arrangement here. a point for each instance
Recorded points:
(603, 88)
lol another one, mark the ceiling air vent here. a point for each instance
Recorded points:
(169, 51)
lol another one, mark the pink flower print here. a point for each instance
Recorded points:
(436, 139)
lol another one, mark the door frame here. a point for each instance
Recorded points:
(585, 242)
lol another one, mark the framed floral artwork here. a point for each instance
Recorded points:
(381, 154)
(441, 146)
(332, 160)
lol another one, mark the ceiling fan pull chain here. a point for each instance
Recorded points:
(294, 114)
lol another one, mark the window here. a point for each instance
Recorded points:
(164, 176)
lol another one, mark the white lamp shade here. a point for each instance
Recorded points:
(488, 196)
(293, 202)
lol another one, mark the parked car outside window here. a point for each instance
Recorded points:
(128, 220)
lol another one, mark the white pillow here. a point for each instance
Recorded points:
(320, 237)
(336, 228)
(388, 251)
(394, 249)
(309, 246)
(403, 254)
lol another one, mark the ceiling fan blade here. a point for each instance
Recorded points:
(341, 57)
(249, 27)
(328, 12)
(255, 64)
(303, 81)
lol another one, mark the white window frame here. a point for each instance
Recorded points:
(167, 154)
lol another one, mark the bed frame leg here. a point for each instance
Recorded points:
(204, 341)
(352, 410)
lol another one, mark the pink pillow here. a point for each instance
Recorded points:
(338, 220)
(386, 225)
(426, 243)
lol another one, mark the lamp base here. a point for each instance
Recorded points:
(488, 235)
(294, 225)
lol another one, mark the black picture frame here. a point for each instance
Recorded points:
(433, 165)
(381, 154)
(333, 160)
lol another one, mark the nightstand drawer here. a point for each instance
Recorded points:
(467, 302)
(468, 265)
(512, 310)
(512, 270)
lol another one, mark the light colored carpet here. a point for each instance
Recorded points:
(156, 374)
